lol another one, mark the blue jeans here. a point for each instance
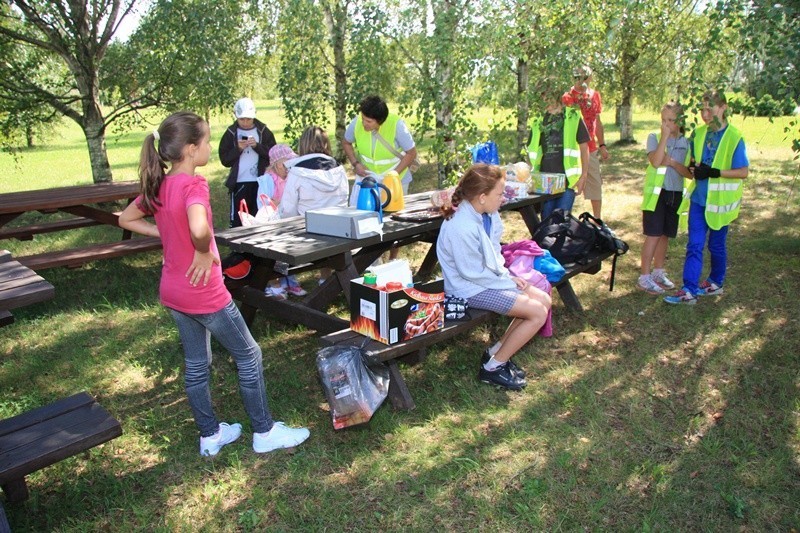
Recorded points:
(717, 248)
(228, 327)
(564, 202)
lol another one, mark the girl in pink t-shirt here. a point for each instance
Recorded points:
(191, 282)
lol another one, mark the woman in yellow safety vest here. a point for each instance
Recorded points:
(713, 198)
(668, 157)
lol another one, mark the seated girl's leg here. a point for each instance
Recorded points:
(229, 328)
(196, 341)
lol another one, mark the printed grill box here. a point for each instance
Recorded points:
(392, 317)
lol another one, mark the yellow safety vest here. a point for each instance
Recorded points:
(572, 152)
(375, 156)
(724, 194)
(654, 181)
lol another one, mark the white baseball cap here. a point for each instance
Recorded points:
(244, 108)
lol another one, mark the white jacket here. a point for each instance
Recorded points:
(323, 185)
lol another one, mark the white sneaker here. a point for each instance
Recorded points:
(660, 277)
(647, 284)
(227, 433)
(275, 292)
(296, 290)
(280, 436)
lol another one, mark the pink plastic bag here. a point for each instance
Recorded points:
(522, 267)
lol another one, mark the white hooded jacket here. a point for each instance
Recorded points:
(314, 181)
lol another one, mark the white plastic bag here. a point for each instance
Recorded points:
(267, 212)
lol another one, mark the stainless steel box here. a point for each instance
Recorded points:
(347, 222)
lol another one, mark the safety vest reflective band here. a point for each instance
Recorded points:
(572, 152)
(654, 182)
(375, 156)
(724, 195)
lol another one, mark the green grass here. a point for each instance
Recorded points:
(637, 416)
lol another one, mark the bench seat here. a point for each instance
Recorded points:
(78, 256)
(26, 233)
(410, 351)
(48, 434)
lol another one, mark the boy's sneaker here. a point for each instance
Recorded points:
(280, 436)
(296, 290)
(275, 292)
(227, 433)
(709, 288)
(660, 277)
(681, 297)
(648, 284)
(516, 370)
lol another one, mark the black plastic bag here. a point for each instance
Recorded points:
(354, 387)
(568, 239)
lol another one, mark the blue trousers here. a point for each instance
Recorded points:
(229, 328)
(717, 248)
(564, 202)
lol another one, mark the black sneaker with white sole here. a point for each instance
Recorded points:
(518, 371)
(502, 376)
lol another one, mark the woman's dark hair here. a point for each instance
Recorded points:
(314, 140)
(479, 179)
(375, 108)
(177, 131)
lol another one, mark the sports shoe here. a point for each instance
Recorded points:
(275, 292)
(280, 436)
(709, 288)
(227, 433)
(514, 368)
(238, 271)
(502, 376)
(660, 277)
(681, 297)
(296, 290)
(649, 285)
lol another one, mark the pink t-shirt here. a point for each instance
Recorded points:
(591, 106)
(176, 194)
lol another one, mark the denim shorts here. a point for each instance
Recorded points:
(498, 301)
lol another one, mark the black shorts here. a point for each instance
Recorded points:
(247, 191)
(664, 220)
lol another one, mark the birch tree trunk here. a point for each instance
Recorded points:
(523, 109)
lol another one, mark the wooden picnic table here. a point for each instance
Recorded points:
(287, 241)
(84, 202)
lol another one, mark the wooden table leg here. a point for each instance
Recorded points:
(568, 296)
(261, 273)
(399, 394)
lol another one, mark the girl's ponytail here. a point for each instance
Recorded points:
(151, 173)
(455, 199)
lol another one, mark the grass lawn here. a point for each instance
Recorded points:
(637, 415)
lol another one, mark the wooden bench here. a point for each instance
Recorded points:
(78, 256)
(19, 286)
(26, 233)
(410, 351)
(44, 436)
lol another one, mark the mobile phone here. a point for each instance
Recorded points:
(244, 137)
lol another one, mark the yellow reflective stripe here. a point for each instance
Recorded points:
(656, 190)
(369, 160)
(661, 170)
(723, 208)
(723, 186)
(533, 155)
(573, 171)
(569, 152)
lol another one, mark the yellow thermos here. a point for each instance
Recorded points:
(391, 180)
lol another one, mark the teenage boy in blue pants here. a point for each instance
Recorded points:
(714, 200)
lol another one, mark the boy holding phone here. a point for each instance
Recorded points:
(244, 148)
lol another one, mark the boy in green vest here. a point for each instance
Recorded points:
(714, 200)
(559, 143)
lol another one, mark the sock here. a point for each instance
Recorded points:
(492, 364)
(643, 277)
(494, 349)
(659, 271)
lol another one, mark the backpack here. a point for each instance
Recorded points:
(606, 241)
(566, 238)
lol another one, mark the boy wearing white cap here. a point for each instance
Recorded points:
(244, 148)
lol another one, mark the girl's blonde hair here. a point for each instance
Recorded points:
(314, 140)
(479, 179)
(177, 131)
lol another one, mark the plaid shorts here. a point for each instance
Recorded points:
(498, 301)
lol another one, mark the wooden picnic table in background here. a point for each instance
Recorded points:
(19, 286)
(84, 202)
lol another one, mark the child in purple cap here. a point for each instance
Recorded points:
(272, 183)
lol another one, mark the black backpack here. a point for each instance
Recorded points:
(606, 241)
(566, 238)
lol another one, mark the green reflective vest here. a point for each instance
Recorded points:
(654, 181)
(375, 156)
(724, 194)
(572, 152)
